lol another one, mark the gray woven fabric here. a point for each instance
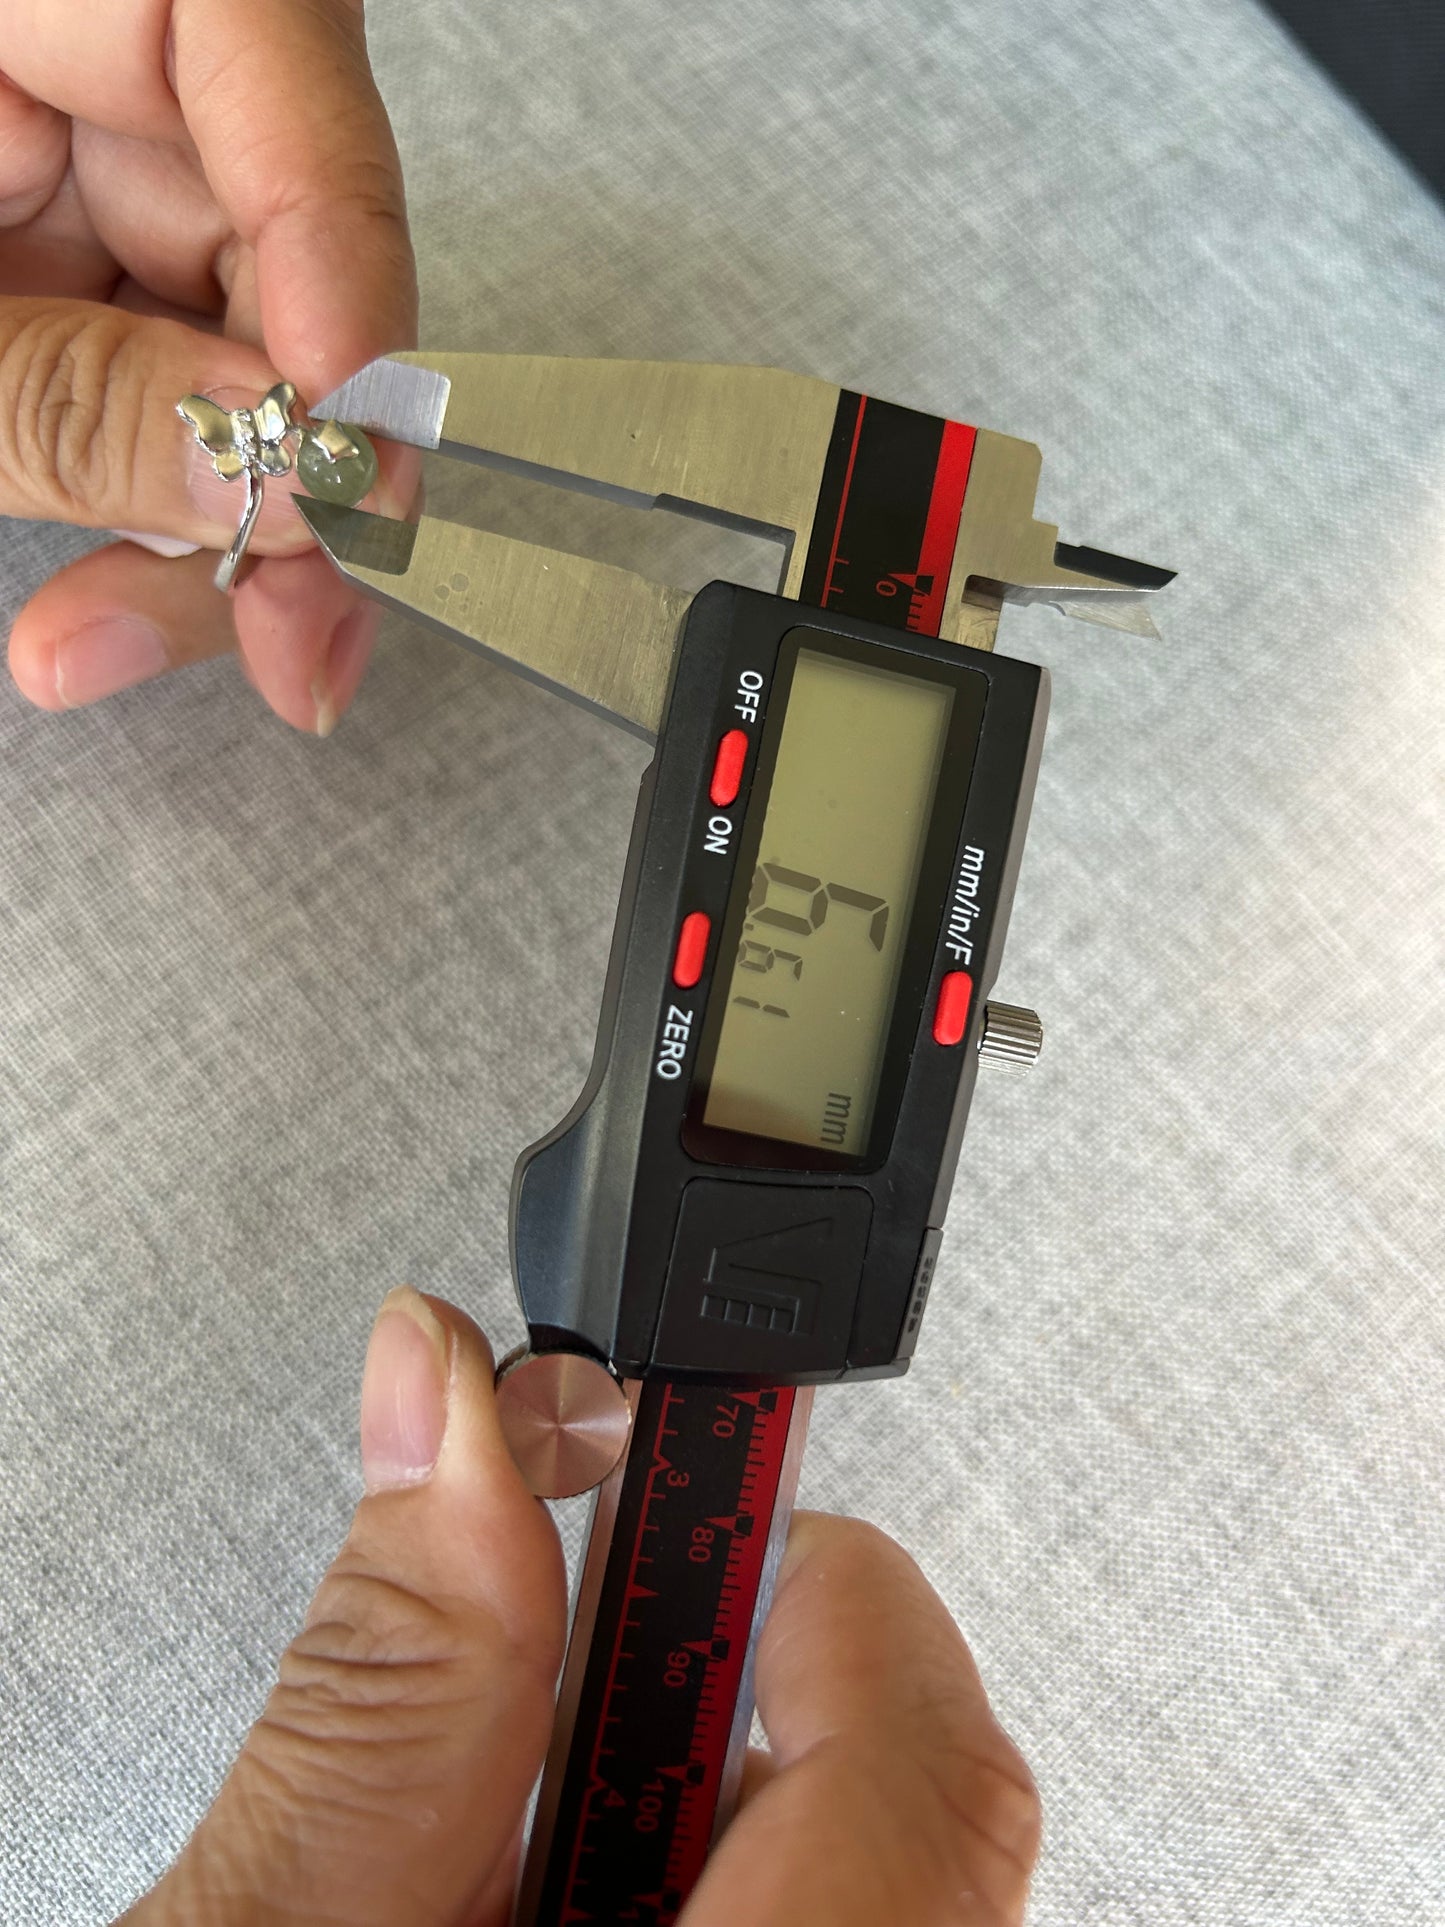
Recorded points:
(279, 1014)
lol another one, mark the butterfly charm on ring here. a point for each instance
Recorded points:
(335, 462)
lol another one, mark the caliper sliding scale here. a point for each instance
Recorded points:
(746, 1199)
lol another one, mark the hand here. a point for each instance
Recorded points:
(172, 169)
(386, 1780)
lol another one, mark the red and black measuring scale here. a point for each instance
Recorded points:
(747, 1199)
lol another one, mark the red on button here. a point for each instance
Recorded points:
(727, 771)
(691, 949)
(950, 1016)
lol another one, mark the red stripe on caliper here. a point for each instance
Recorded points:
(665, 1669)
(843, 494)
(718, 1700)
(940, 532)
(889, 504)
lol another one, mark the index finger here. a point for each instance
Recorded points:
(897, 1796)
(280, 101)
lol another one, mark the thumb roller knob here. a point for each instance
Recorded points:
(565, 1418)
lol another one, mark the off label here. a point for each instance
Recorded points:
(750, 690)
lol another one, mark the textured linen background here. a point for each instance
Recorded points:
(279, 1014)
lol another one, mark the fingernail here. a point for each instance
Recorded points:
(403, 1394)
(169, 546)
(346, 660)
(113, 653)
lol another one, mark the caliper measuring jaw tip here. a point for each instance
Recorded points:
(746, 447)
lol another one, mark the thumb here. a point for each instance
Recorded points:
(886, 1758)
(386, 1780)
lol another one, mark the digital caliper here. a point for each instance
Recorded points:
(747, 1198)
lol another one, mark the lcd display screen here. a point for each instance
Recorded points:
(809, 1001)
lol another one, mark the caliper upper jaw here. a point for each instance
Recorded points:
(746, 447)
(741, 446)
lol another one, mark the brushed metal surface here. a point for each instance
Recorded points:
(400, 396)
(743, 446)
(599, 635)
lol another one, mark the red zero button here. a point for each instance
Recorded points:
(950, 1018)
(727, 771)
(691, 949)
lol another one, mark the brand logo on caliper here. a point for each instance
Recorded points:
(755, 1281)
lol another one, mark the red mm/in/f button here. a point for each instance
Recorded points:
(727, 771)
(691, 949)
(950, 1014)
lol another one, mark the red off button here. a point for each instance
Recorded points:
(691, 949)
(950, 1016)
(727, 771)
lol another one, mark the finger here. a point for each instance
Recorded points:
(120, 616)
(88, 428)
(116, 618)
(47, 241)
(58, 252)
(135, 299)
(896, 1795)
(387, 1778)
(34, 153)
(306, 171)
(108, 67)
(152, 207)
(89, 432)
(87, 404)
(305, 639)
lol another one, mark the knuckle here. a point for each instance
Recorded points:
(34, 152)
(379, 1676)
(74, 422)
(375, 191)
(994, 1819)
(374, 1655)
(375, 1702)
(366, 181)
